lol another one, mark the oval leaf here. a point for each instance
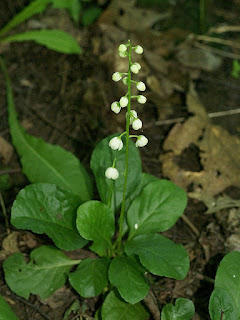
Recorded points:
(56, 40)
(226, 295)
(43, 162)
(6, 312)
(127, 274)
(183, 310)
(46, 208)
(160, 255)
(157, 208)
(45, 273)
(95, 221)
(222, 305)
(114, 308)
(91, 277)
(102, 158)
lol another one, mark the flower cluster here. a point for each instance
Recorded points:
(116, 143)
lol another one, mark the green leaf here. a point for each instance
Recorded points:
(91, 277)
(90, 15)
(160, 255)
(127, 274)
(37, 6)
(183, 310)
(56, 40)
(226, 295)
(114, 308)
(43, 162)
(74, 307)
(102, 158)
(46, 208)
(45, 273)
(222, 304)
(6, 312)
(157, 208)
(95, 221)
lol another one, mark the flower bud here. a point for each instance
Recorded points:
(138, 49)
(125, 81)
(141, 86)
(133, 115)
(116, 143)
(141, 99)
(137, 124)
(116, 76)
(123, 54)
(122, 48)
(112, 173)
(115, 107)
(141, 141)
(135, 67)
(123, 102)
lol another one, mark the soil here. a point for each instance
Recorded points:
(65, 100)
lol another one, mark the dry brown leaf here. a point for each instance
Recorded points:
(6, 151)
(219, 152)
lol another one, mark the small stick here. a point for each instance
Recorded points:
(224, 29)
(4, 213)
(217, 51)
(9, 171)
(229, 43)
(190, 224)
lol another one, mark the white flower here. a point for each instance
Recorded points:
(141, 99)
(137, 124)
(123, 102)
(123, 54)
(125, 81)
(115, 107)
(141, 141)
(135, 67)
(138, 49)
(116, 143)
(141, 86)
(133, 115)
(111, 173)
(122, 48)
(116, 76)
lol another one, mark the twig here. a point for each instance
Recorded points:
(210, 115)
(217, 51)
(223, 29)
(190, 224)
(9, 171)
(36, 308)
(224, 42)
(4, 213)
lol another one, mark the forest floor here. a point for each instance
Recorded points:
(190, 119)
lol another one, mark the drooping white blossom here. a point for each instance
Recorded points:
(122, 48)
(125, 81)
(138, 49)
(123, 54)
(133, 116)
(141, 141)
(141, 99)
(141, 86)
(112, 173)
(137, 124)
(115, 107)
(135, 67)
(116, 143)
(123, 102)
(116, 76)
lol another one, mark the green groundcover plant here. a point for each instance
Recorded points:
(122, 229)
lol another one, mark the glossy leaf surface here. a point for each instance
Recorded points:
(95, 221)
(90, 277)
(160, 255)
(127, 274)
(157, 208)
(46, 208)
(183, 310)
(45, 273)
(114, 308)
